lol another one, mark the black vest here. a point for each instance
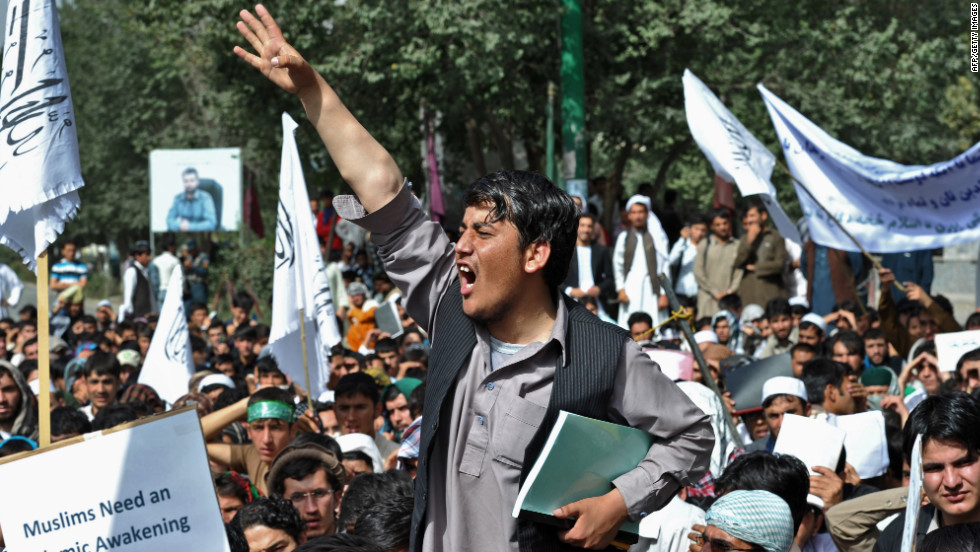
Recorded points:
(584, 387)
(142, 303)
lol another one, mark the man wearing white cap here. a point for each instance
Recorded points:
(780, 395)
(640, 254)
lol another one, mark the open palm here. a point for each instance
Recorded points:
(273, 56)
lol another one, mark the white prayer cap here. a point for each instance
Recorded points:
(752, 312)
(638, 198)
(706, 336)
(799, 302)
(816, 320)
(365, 444)
(783, 385)
(669, 333)
(35, 386)
(215, 378)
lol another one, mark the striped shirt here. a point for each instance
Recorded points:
(69, 272)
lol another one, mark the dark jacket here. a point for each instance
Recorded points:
(602, 271)
(891, 538)
(768, 255)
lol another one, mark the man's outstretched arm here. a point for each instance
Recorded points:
(363, 163)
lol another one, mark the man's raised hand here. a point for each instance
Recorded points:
(273, 56)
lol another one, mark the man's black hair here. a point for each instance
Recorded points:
(950, 417)
(926, 347)
(243, 301)
(776, 307)
(389, 522)
(798, 310)
(639, 317)
(731, 303)
(267, 365)
(274, 513)
(198, 345)
(703, 323)
(783, 475)
(959, 537)
(298, 469)
(15, 446)
(24, 323)
(361, 359)
(818, 373)
(144, 330)
(226, 486)
(358, 455)
(27, 366)
(416, 355)
(416, 400)
(342, 542)
(720, 213)
(194, 307)
(972, 320)
(142, 246)
(357, 383)
(189, 170)
(65, 420)
(224, 358)
(805, 347)
(587, 215)
(846, 305)
(102, 363)
(688, 301)
(757, 205)
(851, 341)
(89, 319)
(968, 356)
(227, 397)
(385, 345)
(262, 331)
(113, 415)
(270, 394)
(537, 208)
(368, 490)
(30, 310)
(943, 303)
(391, 393)
(873, 333)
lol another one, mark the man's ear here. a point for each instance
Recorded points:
(536, 256)
(830, 393)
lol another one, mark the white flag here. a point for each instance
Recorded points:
(735, 154)
(168, 365)
(38, 145)
(887, 207)
(300, 278)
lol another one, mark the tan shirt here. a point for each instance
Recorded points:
(476, 461)
(715, 272)
(245, 459)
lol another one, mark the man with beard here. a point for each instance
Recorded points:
(17, 415)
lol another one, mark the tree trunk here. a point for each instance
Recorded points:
(675, 152)
(502, 139)
(614, 188)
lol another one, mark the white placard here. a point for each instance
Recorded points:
(146, 488)
(951, 346)
(864, 440)
(914, 504)
(814, 442)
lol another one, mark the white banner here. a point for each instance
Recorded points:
(146, 487)
(168, 365)
(300, 279)
(38, 146)
(886, 206)
(735, 154)
(951, 346)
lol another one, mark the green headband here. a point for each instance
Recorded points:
(271, 409)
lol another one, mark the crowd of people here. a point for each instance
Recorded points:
(427, 428)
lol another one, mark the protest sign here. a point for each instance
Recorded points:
(145, 486)
(886, 206)
(951, 346)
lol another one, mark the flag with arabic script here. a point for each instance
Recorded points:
(40, 173)
(168, 365)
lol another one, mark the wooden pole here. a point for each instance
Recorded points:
(837, 222)
(706, 376)
(43, 351)
(306, 365)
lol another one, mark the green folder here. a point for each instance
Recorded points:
(580, 460)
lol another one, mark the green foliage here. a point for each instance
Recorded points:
(890, 78)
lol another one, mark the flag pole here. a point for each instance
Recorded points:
(43, 351)
(306, 365)
(837, 222)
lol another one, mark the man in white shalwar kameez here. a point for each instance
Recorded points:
(646, 245)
